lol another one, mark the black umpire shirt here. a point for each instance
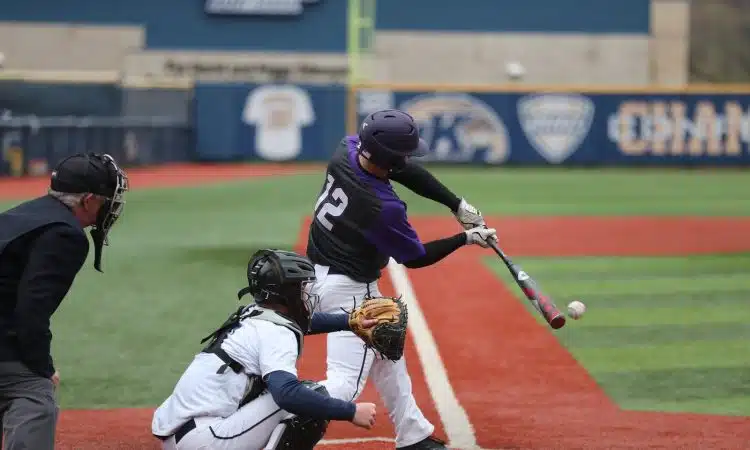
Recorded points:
(42, 249)
(359, 221)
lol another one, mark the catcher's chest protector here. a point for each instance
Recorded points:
(253, 312)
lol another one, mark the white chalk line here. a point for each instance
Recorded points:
(458, 428)
(365, 441)
(354, 441)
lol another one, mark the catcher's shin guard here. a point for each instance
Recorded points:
(299, 433)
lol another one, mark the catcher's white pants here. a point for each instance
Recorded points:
(248, 428)
(349, 363)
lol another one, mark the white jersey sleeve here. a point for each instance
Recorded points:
(262, 347)
(278, 352)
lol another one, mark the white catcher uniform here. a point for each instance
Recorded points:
(211, 396)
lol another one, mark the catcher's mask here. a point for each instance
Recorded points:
(282, 278)
(100, 175)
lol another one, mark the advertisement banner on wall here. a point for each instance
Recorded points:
(268, 122)
(576, 129)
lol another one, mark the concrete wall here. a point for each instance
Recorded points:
(670, 41)
(426, 57)
(400, 56)
(482, 57)
(42, 46)
(660, 57)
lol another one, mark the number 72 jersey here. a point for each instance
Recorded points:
(358, 220)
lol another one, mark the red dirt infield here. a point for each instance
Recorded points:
(521, 389)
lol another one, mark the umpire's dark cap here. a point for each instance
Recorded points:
(84, 173)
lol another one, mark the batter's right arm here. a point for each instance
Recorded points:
(394, 236)
(439, 249)
(423, 183)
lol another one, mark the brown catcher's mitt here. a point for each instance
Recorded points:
(389, 335)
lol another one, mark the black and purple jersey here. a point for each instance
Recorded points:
(358, 221)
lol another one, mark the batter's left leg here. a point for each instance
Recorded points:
(393, 383)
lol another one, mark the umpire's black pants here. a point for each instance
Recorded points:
(28, 409)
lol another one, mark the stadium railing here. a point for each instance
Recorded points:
(30, 144)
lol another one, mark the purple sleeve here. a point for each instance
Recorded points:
(394, 236)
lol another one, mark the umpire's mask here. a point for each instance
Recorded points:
(97, 174)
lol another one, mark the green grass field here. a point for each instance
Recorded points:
(662, 333)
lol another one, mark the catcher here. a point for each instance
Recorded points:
(241, 391)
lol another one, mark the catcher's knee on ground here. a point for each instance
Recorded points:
(296, 432)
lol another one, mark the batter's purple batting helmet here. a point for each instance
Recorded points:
(389, 137)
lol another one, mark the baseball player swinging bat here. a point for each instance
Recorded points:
(541, 302)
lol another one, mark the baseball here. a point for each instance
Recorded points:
(515, 70)
(576, 309)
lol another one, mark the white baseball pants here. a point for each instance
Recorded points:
(250, 427)
(349, 362)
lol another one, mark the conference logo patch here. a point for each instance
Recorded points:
(459, 128)
(555, 124)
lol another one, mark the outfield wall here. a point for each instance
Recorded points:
(493, 125)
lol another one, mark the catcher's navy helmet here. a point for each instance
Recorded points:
(283, 278)
(388, 138)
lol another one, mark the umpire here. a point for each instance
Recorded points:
(42, 248)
